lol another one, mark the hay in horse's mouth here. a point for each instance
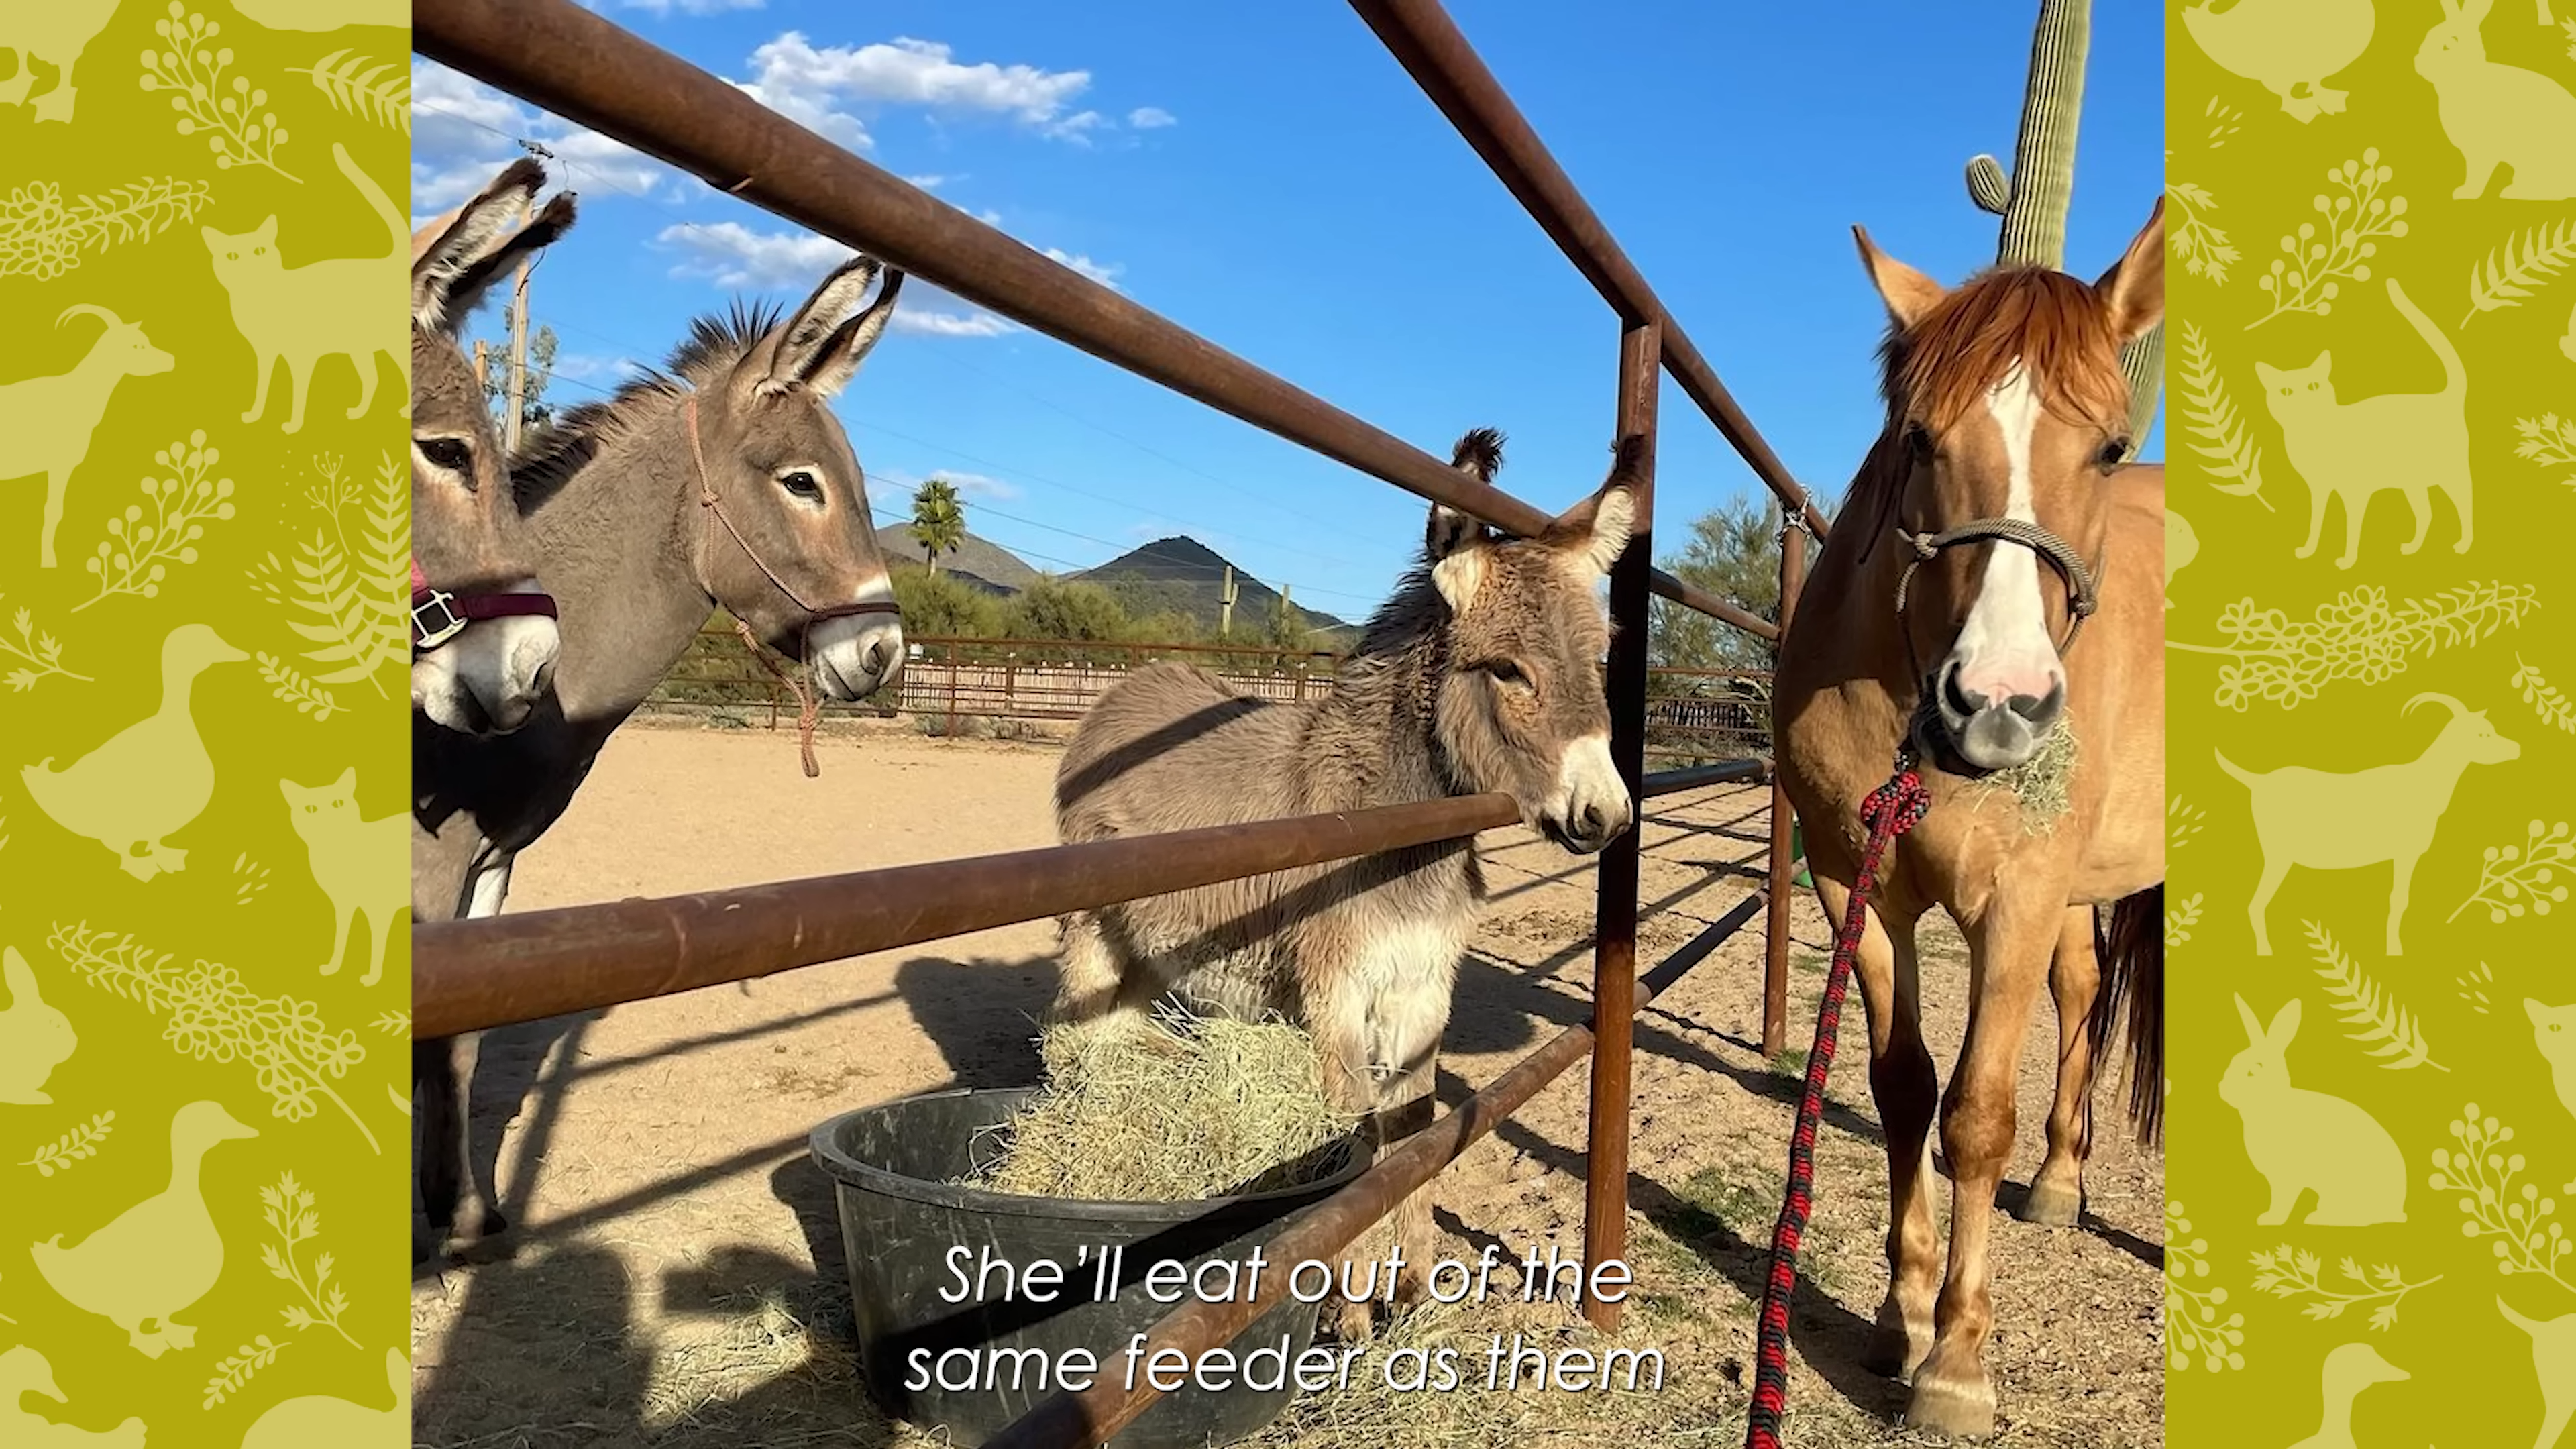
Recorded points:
(2040, 782)
(1186, 1109)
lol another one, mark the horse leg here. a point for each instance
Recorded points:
(1905, 1086)
(2074, 978)
(2008, 950)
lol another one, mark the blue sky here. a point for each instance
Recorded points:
(1267, 176)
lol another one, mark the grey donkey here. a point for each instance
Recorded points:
(1483, 673)
(484, 638)
(723, 480)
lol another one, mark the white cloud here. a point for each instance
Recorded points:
(976, 485)
(464, 132)
(1105, 275)
(811, 85)
(583, 366)
(927, 183)
(1077, 128)
(1147, 118)
(691, 7)
(730, 254)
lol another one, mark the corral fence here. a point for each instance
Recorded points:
(952, 686)
(476, 975)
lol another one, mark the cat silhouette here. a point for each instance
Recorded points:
(2412, 443)
(304, 314)
(362, 865)
(2553, 1030)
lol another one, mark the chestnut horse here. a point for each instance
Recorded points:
(1995, 578)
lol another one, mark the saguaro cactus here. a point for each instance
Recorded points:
(2033, 200)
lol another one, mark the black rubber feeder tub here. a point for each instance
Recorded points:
(892, 1167)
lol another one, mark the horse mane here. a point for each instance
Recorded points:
(1937, 370)
(549, 457)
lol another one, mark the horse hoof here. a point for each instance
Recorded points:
(1961, 1411)
(2052, 1206)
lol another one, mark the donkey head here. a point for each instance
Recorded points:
(1520, 705)
(790, 547)
(467, 538)
(2006, 407)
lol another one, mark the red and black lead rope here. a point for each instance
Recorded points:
(1890, 811)
(438, 616)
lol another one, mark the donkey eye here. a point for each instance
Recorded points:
(801, 484)
(448, 453)
(1507, 673)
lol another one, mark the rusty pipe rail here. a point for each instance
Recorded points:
(627, 88)
(1429, 45)
(474, 975)
(1076, 1421)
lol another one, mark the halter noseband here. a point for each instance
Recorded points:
(438, 616)
(2081, 597)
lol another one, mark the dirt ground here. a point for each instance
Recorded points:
(677, 1275)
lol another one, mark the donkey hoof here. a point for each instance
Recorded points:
(1350, 1322)
(2052, 1205)
(1959, 1410)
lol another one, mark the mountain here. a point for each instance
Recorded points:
(1188, 577)
(978, 561)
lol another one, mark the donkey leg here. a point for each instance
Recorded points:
(2009, 952)
(1336, 1008)
(2074, 978)
(1410, 1020)
(443, 1077)
(1905, 1086)
(1088, 988)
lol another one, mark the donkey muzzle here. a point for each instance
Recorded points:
(1590, 805)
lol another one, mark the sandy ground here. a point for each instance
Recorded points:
(676, 1278)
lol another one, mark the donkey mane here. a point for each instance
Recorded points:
(547, 459)
(2050, 323)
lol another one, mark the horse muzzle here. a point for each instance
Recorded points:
(1992, 733)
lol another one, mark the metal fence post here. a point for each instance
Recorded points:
(1614, 950)
(1775, 947)
(952, 693)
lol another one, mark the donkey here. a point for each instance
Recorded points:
(483, 636)
(2002, 450)
(722, 480)
(1482, 673)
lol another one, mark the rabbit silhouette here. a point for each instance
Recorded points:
(2498, 115)
(2300, 1140)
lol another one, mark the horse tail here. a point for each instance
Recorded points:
(2130, 945)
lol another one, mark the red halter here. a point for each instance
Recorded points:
(438, 616)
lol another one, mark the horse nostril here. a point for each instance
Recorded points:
(2028, 706)
(1962, 699)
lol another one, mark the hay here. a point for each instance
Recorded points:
(2040, 782)
(1181, 1111)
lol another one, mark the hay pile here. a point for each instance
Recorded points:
(1185, 1110)
(2040, 782)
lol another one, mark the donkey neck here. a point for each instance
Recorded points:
(1382, 716)
(618, 541)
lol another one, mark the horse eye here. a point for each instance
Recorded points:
(1918, 438)
(2112, 453)
(448, 453)
(802, 485)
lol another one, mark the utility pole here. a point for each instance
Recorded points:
(482, 364)
(1225, 606)
(518, 350)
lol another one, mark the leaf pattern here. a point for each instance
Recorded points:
(2548, 442)
(2285, 1273)
(2542, 696)
(2515, 878)
(376, 91)
(76, 1145)
(2360, 636)
(2525, 261)
(43, 237)
(2211, 417)
(40, 655)
(2370, 1013)
(345, 598)
(288, 1210)
(232, 1372)
(2202, 248)
(137, 554)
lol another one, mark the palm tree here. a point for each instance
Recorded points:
(938, 520)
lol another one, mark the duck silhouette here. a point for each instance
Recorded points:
(153, 779)
(23, 1371)
(2287, 47)
(34, 1038)
(322, 1419)
(2349, 1369)
(158, 1256)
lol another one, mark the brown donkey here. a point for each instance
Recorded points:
(725, 481)
(1482, 673)
(483, 637)
(1991, 521)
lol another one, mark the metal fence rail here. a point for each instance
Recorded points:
(475, 974)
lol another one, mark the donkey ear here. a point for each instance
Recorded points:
(1596, 531)
(456, 258)
(820, 351)
(2133, 291)
(1908, 293)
